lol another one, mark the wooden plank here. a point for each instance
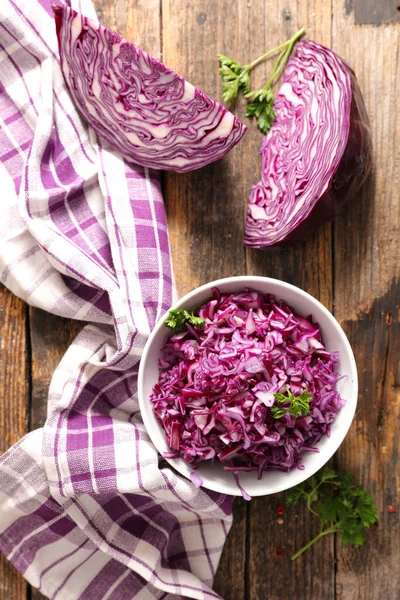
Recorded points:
(367, 297)
(230, 581)
(274, 576)
(12, 585)
(14, 369)
(138, 22)
(205, 208)
(376, 12)
(14, 395)
(50, 338)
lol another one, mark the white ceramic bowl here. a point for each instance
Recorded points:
(213, 476)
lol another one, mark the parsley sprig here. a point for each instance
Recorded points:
(341, 507)
(296, 406)
(177, 318)
(236, 78)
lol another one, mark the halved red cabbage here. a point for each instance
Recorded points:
(216, 385)
(317, 153)
(151, 115)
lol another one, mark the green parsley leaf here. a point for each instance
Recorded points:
(230, 90)
(341, 506)
(294, 495)
(296, 406)
(277, 412)
(224, 61)
(195, 321)
(326, 474)
(236, 78)
(177, 318)
(280, 397)
(262, 108)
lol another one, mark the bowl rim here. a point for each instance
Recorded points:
(178, 463)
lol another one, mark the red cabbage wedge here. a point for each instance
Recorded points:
(317, 153)
(148, 113)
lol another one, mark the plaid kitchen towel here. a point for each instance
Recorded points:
(86, 510)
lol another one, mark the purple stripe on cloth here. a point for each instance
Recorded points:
(110, 474)
(33, 28)
(75, 198)
(15, 65)
(60, 560)
(68, 266)
(127, 589)
(14, 117)
(46, 4)
(38, 536)
(132, 334)
(71, 573)
(74, 127)
(88, 294)
(5, 157)
(142, 562)
(165, 534)
(56, 98)
(205, 548)
(153, 275)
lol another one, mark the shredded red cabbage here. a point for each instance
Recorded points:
(216, 385)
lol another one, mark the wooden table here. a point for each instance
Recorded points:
(352, 266)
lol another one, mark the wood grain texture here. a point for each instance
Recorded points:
(352, 267)
(138, 22)
(205, 208)
(231, 581)
(50, 338)
(14, 390)
(376, 12)
(367, 298)
(12, 585)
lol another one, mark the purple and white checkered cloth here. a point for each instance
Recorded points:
(86, 510)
